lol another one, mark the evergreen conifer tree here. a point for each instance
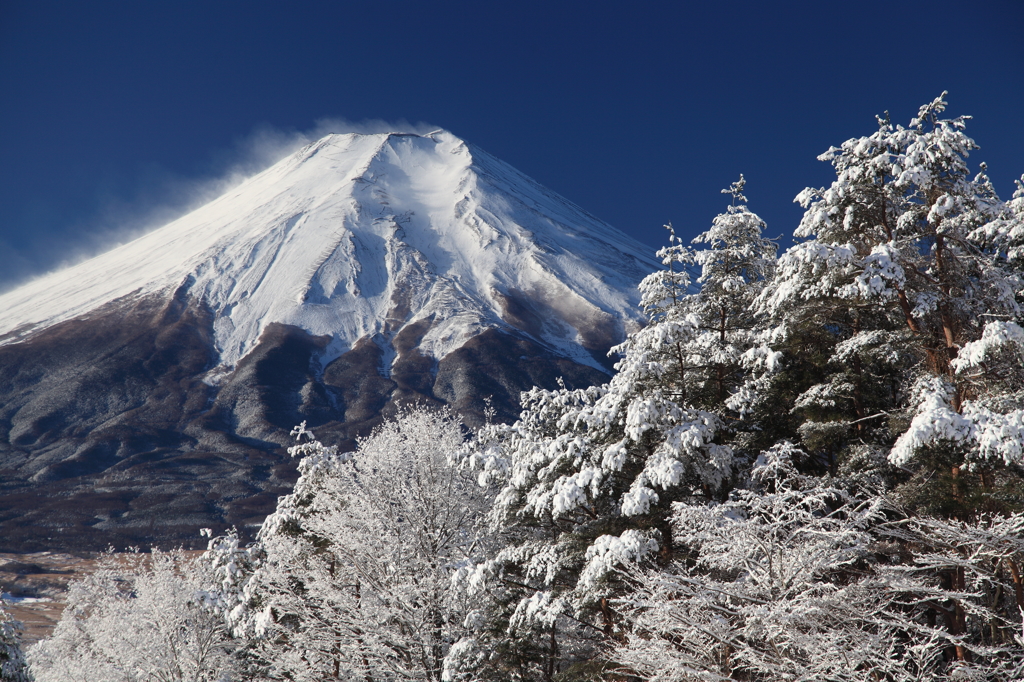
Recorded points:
(13, 667)
(891, 281)
(589, 475)
(729, 362)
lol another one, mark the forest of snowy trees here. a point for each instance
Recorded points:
(810, 469)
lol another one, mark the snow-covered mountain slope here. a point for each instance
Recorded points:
(150, 391)
(360, 236)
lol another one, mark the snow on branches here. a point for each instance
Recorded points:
(588, 475)
(991, 421)
(905, 272)
(793, 579)
(138, 617)
(895, 227)
(350, 576)
(13, 666)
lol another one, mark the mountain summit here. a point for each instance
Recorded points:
(363, 235)
(150, 390)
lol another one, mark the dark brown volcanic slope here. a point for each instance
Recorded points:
(109, 435)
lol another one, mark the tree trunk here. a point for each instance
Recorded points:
(962, 654)
(549, 672)
(606, 616)
(1018, 587)
(957, 493)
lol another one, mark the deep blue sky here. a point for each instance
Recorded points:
(113, 115)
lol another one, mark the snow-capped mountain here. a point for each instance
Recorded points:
(151, 389)
(360, 235)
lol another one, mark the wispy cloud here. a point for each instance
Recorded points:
(162, 197)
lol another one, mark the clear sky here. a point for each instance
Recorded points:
(116, 115)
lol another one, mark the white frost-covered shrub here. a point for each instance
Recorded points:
(137, 618)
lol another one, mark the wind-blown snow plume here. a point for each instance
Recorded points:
(360, 235)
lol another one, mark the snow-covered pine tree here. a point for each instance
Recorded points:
(891, 282)
(589, 474)
(728, 362)
(971, 420)
(350, 577)
(897, 317)
(13, 667)
(1003, 237)
(794, 579)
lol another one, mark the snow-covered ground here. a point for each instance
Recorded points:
(358, 235)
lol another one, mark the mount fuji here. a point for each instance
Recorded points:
(150, 390)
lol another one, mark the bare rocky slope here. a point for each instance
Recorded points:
(150, 391)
